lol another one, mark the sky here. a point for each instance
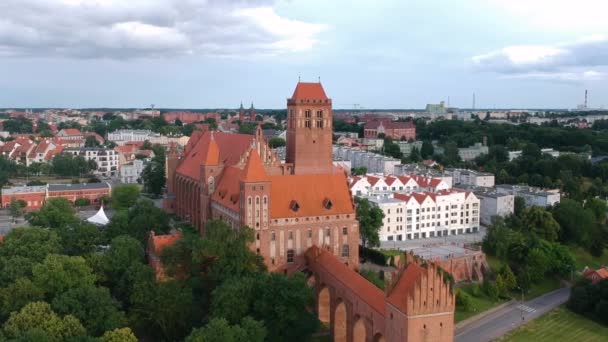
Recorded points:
(373, 53)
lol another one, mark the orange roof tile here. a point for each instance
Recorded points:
(71, 131)
(160, 242)
(401, 291)
(231, 148)
(212, 155)
(309, 90)
(229, 186)
(310, 192)
(254, 170)
(603, 273)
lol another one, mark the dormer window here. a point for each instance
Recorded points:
(234, 198)
(327, 204)
(222, 194)
(294, 206)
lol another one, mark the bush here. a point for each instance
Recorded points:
(463, 300)
(373, 255)
(490, 289)
(82, 202)
(476, 290)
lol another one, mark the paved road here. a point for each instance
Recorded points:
(506, 319)
(458, 239)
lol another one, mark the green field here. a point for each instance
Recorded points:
(559, 325)
(478, 305)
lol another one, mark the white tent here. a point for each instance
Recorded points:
(100, 218)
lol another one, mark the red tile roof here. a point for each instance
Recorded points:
(310, 192)
(160, 242)
(231, 148)
(71, 131)
(390, 124)
(254, 169)
(309, 90)
(229, 187)
(400, 293)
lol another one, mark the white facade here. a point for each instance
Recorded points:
(106, 159)
(494, 204)
(426, 215)
(374, 163)
(372, 185)
(132, 135)
(471, 178)
(130, 173)
(470, 153)
(516, 154)
(531, 195)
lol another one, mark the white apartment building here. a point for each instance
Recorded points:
(471, 178)
(532, 196)
(516, 154)
(472, 152)
(373, 185)
(493, 204)
(374, 163)
(130, 173)
(132, 135)
(423, 215)
(106, 159)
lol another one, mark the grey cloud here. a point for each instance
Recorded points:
(123, 29)
(580, 60)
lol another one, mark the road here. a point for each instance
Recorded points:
(508, 318)
(458, 239)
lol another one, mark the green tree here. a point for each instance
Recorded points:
(39, 316)
(16, 208)
(82, 202)
(80, 239)
(124, 196)
(144, 217)
(463, 300)
(93, 306)
(275, 142)
(119, 335)
(17, 295)
(218, 329)
(58, 273)
(153, 177)
(56, 213)
(508, 278)
(90, 141)
(360, 171)
(31, 243)
(426, 150)
(123, 252)
(370, 220)
(541, 223)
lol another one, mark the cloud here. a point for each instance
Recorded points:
(122, 29)
(583, 60)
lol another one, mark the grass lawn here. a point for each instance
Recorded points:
(559, 325)
(583, 258)
(478, 305)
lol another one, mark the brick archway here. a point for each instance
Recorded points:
(340, 323)
(324, 305)
(359, 330)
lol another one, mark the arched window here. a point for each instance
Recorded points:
(345, 251)
(290, 256)
(211, 184)
(272, 236)
(249, 200)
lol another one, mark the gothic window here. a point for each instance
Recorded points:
(211, 184)
(249, 200)
(257, 201)
(290, 235)
(327, 232)
(319, 123)
(307, 113)
(345, 251)
(272, 236)
(310, 233)
(320, 114)
(307, 124)
(290, 256)
(344, 231)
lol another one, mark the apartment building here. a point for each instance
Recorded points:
(372, 185)
(493, 204)
(532, 196)
(421, 215)
(106, 159)
(132, 135)
(130, 173)
(374, 163)
(471, 178)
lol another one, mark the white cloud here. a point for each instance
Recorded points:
(149, 28)
(579, 60)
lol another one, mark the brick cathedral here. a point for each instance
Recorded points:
(291, 205)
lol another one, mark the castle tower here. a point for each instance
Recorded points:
(171, 161)
(252, 113)
(241, 113)
(309, 130)
(210, 169)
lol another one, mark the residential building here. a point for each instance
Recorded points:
(420, 215)
(33, 196)
(106, 159)
(130, 173)
(436, 108)
(472, 152)
(471, 177)
(532, 196)
(595, 276)
(190, 117)
(373, 162)
(516, 154)
(406, 147)
(373, 185)
(123, 135)
(494, 204)
(70, 134)
(397, 130)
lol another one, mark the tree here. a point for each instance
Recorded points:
(218, 329)
(463, 300)
(578, 225)
(519, 205)
(178, 122)
(275, 142)
(123, 252)
(119, 335)
(360, 171)
(82, 202)
(212, 123)
(16, 208)
(59, 273)
(93, 306)
(598, 207)
(32, 243)
(124, 196)
(540, 222)
(56, 213)
(415, 155)
(17, 295)
(80, 239)
(90, 141)
(426, 150)
(153, 177)
(370, 220)
(38, 316)
(68, 165)
(259, 118)
(144, 217)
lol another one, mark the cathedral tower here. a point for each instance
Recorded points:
(309, 130)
